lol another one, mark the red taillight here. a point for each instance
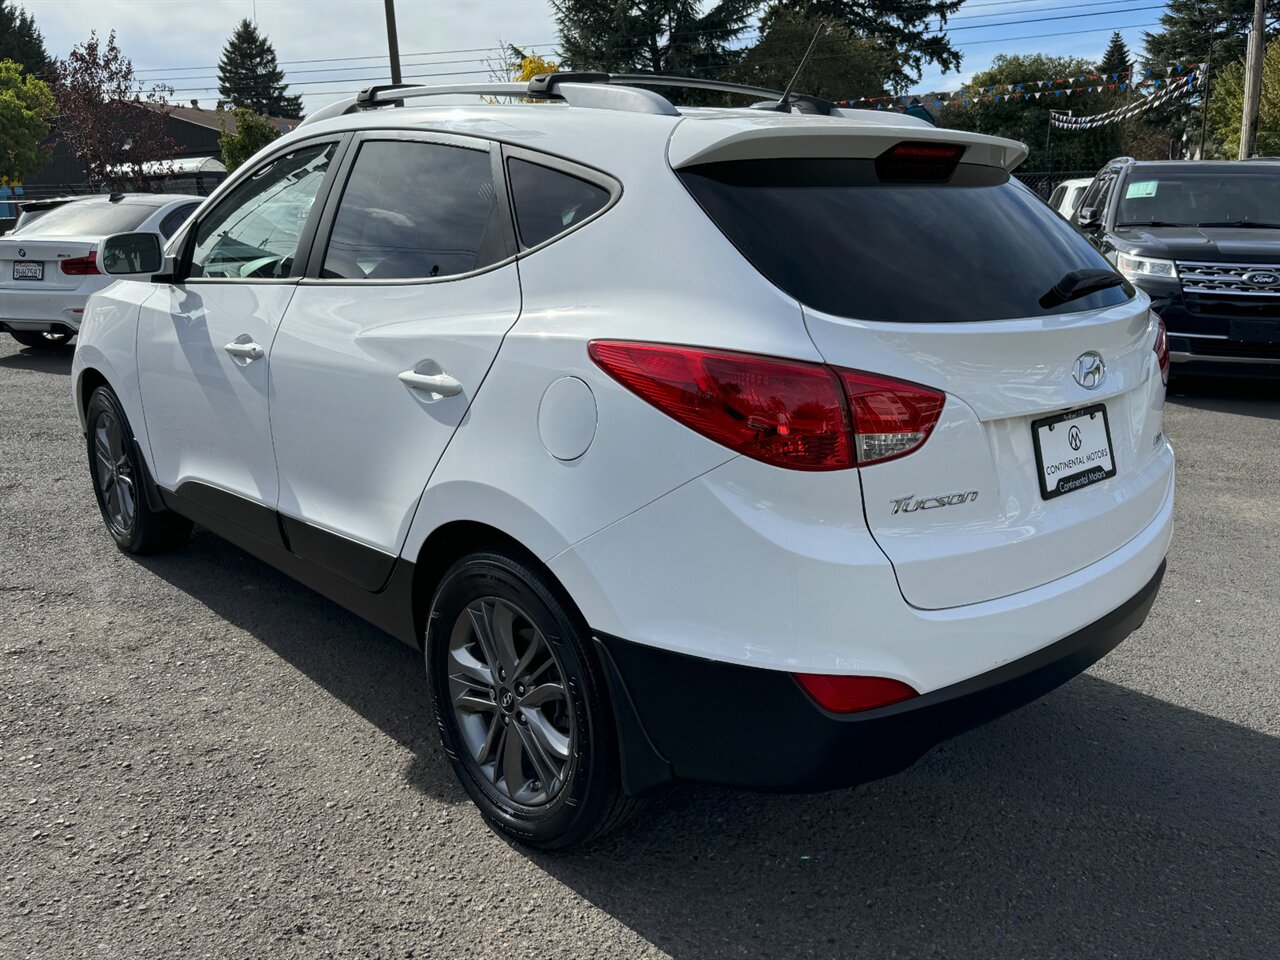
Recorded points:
(913, 161)
(80, 266)
(1162, 350)
(783, 412)
(850, 694)
(890, 417)
(804, 416)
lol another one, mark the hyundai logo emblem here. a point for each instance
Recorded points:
(1089, 370)
(1261, 278)
(21, 252)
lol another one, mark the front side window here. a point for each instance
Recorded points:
(833, 235)
(254, 232)
(549, 202)
(415, 210)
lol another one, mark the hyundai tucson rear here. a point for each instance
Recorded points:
(728, 446)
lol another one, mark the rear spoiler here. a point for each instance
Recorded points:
(715, 140)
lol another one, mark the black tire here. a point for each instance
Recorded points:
(142, 529)
(41, 340)
(588, 801)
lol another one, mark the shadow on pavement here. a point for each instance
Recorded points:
(369, 671)
(1254, 398)
(44, 361)
(1098, 822)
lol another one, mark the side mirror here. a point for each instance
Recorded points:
(1090, 218)
(128, 253)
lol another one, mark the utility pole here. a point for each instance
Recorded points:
(1252, 84)
(1204, 109)
(393, 44)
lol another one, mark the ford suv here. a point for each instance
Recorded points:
(1202, 239)
(765, 446)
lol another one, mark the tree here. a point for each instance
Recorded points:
(20, 41)
(1187, 27)
(662, 36)
(910, 29)
(108, 118)
(26, 110)
(1117, 58)
(844, 65)
(249, 75)
(1021, 115)
(1226, 105)
(250, 134)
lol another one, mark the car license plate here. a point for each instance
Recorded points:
(1255, 331)
(1073, 450)
(28, 270)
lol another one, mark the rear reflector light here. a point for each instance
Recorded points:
(913, 161)
(890, 417)
(80, 266)
(803, 416)
(1162, 349)
(783, 412)
(850, 694)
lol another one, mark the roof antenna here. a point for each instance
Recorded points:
(784, 105)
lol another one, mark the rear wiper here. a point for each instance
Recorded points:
(1152, 223)
(1080, 283)
(1241, 223)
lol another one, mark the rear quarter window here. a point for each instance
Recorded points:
(829, 233)
(549, 202)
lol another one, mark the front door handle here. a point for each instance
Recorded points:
(427, 377)
(244, 350)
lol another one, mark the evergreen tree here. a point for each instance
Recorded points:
(912, 30)
(662, 36)
(20, 41)
(249, 75)
(844, 65)
(1188, 26)
(1117, 59)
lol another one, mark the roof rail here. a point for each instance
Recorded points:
(609, 91)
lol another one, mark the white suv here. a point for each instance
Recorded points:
(763, 447)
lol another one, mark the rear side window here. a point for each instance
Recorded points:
(414, 210)
(830, 234)
(549, 202)
(176, 218)
(89, 218)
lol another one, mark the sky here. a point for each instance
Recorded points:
(332, 48)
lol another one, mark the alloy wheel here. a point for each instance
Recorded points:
(115, 475)
(509, 698)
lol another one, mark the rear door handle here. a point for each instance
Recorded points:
(427, 377)
(244, 350)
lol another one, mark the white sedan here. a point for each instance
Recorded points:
(49, 267)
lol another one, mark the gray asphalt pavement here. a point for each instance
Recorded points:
(202, 759)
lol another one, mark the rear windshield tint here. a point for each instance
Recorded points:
(829, 233)
(90, 218)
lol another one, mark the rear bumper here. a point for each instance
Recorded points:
(46, 310)
(39, 326)
(686, 718)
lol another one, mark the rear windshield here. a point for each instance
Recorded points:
(828, 232)
(89, 218)
(1208, 197)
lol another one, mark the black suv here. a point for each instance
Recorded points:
(1202, 238)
